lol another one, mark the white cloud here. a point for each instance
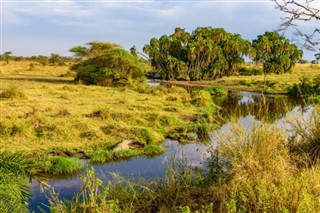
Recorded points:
(130, 22)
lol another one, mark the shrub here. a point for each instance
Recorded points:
(107, 64)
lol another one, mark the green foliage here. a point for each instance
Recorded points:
(217, 91)
(12, 92)
(101, 156)
(107, 64)
(275, 53)
(15, 170)
(62, 165)
(206, 53)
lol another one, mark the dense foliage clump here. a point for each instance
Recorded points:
(275, 53)
(206, 53)
(106, 64)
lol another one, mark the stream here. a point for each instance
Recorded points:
(248, 108)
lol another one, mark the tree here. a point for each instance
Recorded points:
(78, 52)
(275, 53)
(207, 53)
(107, 64)
(7, 56)
(297, 11)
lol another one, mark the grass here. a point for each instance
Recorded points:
(61, 165)
(88, 120)
(275, 83)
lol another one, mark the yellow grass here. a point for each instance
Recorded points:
(57, 114)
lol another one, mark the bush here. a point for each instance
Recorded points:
(107, 64)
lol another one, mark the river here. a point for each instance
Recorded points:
(248, 109)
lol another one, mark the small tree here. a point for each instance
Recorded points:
(7, 56)
(107, 64)
(275, 53)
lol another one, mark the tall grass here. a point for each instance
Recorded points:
(305, 143)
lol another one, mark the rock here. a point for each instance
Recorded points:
(127, 144)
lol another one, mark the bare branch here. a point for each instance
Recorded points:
(297, 11)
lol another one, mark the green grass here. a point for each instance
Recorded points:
(56, 165)
(86, 118)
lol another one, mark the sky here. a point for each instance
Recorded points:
(42, 27)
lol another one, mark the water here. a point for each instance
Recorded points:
(248, 108)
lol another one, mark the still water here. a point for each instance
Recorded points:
(247, 108)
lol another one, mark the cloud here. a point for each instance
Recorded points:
(130, 22)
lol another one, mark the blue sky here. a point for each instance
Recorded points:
(41, 27)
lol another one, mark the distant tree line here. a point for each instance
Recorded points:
(52, 60)
(209, 53)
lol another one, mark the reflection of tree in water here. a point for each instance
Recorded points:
(264, 108)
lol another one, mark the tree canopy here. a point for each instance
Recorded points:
(275, 53)
(106, 64)
(206, 53)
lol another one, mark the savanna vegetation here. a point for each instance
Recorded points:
(210, 53)
(59, 112)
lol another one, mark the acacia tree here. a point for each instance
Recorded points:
(106, 64)
(300, 11)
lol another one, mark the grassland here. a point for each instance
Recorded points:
(42, 113)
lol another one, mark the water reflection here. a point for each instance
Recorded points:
(263, 107)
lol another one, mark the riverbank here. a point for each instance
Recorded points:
(275, 84)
